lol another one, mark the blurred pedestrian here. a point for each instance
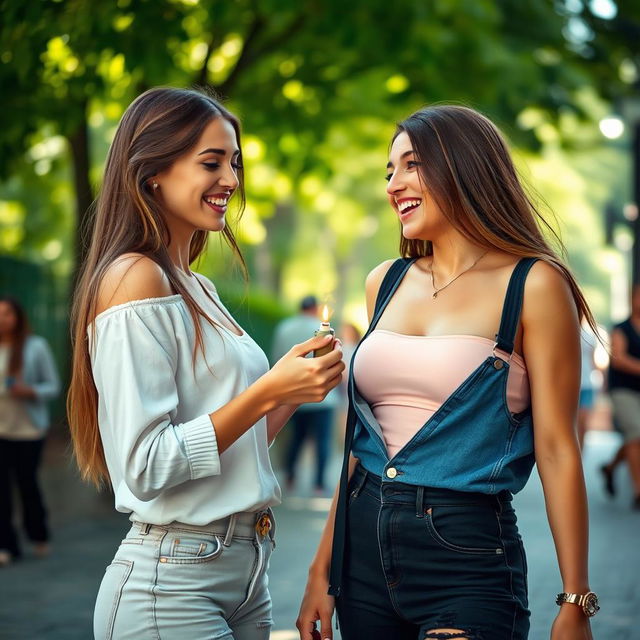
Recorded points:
(171, 401)
(624, 387)
(28, 380)
(310, 421)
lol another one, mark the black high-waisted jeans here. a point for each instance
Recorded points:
(420, 559)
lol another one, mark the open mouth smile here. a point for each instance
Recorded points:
(407, 205)
(217, 202)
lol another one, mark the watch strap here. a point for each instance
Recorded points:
(581, 600)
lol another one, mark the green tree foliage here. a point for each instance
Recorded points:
(318, 85)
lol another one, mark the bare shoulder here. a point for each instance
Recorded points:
(548, 295)
(373, 282)
(376, 276)
(132, 276)
(547, 278)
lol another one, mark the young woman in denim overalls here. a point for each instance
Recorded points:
(474, 338)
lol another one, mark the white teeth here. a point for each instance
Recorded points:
(403, 206)
(220, 202)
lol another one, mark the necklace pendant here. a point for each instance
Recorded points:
(434, 295)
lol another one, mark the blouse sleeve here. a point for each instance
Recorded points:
(134, 367)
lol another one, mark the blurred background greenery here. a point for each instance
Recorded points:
(318, 86)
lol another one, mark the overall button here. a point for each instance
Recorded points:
(498, 364)
(391, 472)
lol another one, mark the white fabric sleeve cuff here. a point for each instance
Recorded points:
(201, 446)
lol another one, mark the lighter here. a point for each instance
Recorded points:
(324, 330)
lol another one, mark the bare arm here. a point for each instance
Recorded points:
(316, 603)
(551, 346)
(278, 418)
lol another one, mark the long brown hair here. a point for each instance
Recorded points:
(157, 128)
(19, 335)
(466, 165)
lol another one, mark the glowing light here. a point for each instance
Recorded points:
(611, 127)
(605, 9)
(397, 84)
(325, 313)
(293, 90)
(253, 148)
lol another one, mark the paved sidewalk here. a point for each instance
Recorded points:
(52, 599)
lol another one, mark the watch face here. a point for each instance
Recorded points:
(591, 604)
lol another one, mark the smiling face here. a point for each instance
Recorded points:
(196, 188)
(409, 197)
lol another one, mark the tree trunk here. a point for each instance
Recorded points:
(79, 145)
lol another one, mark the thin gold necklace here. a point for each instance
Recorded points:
(437, 290)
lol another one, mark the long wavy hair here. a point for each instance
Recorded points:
(159, 127)
(18, 336)
(466, 165)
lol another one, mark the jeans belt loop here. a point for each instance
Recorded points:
(420, 502)
(230, 530)
(144, 528)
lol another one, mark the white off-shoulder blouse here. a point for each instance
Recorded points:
(154, 405)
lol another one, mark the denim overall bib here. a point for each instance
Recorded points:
(468, 458)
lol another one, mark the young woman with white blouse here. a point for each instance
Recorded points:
(171, 401)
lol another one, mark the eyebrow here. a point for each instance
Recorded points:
(220, 152)
(404, 155)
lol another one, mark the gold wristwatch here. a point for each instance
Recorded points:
(587, 601)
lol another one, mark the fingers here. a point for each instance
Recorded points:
(336, 378)
(329, 359)
(311, 344)
(326, 632)
(307, 629)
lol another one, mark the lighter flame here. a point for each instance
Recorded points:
(325, 313)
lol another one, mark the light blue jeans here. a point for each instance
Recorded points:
(177, 582)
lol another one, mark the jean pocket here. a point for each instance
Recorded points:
(468, 529)
(108, 600)
(190, 550)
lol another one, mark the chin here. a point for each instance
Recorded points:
(215, 225)
(410, 234)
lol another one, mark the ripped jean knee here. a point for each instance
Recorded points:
(458, 634)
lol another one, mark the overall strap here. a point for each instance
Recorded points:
(506, 335)
(389, 284)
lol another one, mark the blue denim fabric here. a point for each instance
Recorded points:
(420, 559)
(180, 581)
(471, 443)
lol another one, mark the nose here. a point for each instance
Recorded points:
(395, 183)
(229, 178)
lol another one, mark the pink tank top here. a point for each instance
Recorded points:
(406, 378)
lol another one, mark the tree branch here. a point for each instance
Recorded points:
(214, 42)
(252, 50)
